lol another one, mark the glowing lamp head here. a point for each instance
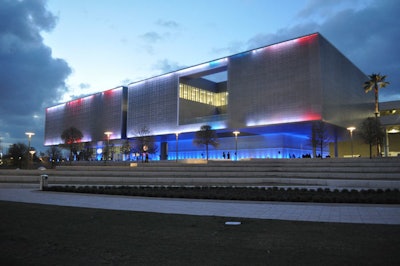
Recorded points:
(29, 134)
(236, 133)
(108, 134)
(351, 129)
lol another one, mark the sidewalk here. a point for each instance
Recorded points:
(340, 213)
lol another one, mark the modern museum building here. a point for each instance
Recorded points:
(269, 96)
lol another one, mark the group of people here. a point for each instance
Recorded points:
(226, 156)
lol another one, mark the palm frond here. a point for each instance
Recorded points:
(368, 86)
(375, 81)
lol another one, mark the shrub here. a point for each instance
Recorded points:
(244, 193)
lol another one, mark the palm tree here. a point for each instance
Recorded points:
(376, 81)
(206, 136)
(72, 138)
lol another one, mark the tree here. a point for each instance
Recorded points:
(144, 142)
(108, 151)
(206, 136)
(375, 82)
(72, 139)
(126, 148)
(18, 152)
(319, 137)
(371, 133)
(86, 152)
(54, 154)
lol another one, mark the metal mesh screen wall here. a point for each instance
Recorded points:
(92, 115)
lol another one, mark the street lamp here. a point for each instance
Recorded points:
(351, 129)
(108, 134)
(29, 134)
(32, 152)
(236, 133)
(177, 146)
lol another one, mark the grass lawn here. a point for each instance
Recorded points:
(33, 234)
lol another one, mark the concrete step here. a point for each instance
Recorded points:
(365, 172)
(304, 170)
(220, 172)
(207, 181)
(213, 174)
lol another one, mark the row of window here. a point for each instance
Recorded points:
(202, 96)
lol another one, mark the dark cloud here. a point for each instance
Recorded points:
(368, 36)
(25, 19)
(30, 78)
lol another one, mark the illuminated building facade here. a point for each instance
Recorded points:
(92, 115)
(271, 95)
(390, 119)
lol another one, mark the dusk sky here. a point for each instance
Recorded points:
(54, 51)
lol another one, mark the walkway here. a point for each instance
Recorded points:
(340, 213)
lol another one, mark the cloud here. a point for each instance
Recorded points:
(126, 81)
(323, 9)
(232, 48)
(30, 78)
(151, 37)
(167, 23)
(25, 19)
(367, 35)
(165, 66)
(84, 86)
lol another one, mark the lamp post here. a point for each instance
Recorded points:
(108, 134)
(351, 129)
(177, 146)
(30, 153)
(236, 133)
(29, 134)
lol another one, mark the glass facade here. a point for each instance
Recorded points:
(202, 96)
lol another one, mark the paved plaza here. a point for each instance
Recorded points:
(317, 212)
